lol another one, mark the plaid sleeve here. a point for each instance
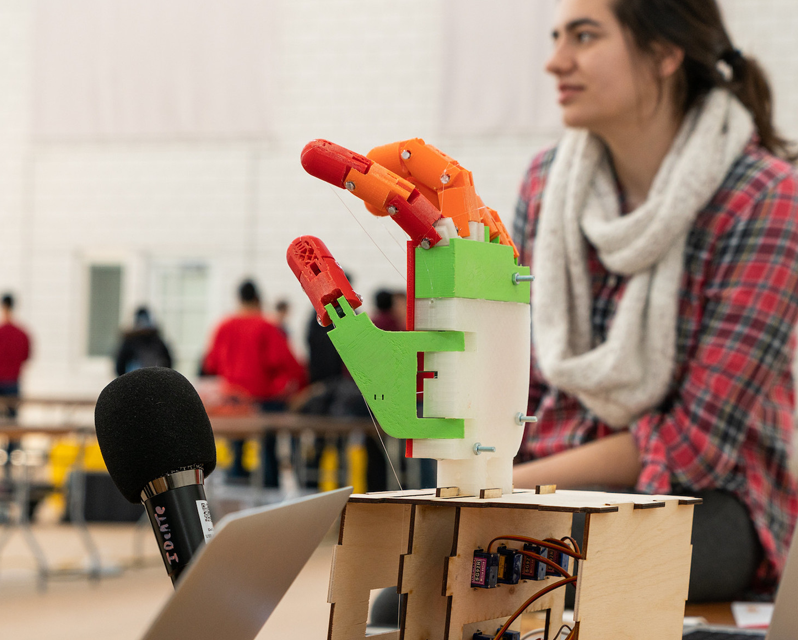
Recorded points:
(750, 309)
(524, 227)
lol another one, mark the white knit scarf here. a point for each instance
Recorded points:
(630, 372)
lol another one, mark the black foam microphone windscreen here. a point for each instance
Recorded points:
(151, 423)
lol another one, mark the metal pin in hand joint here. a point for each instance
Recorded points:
(518, 278)
(520, 418)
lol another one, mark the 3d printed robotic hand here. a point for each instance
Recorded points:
(466, 352)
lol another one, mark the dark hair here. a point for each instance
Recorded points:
(384, 300)
(142, 318)
(248, 292)
(8, 301)
(282, 305)
(710, 58)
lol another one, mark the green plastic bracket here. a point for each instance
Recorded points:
(384, 365)
(468, 269)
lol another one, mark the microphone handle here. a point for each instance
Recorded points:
(181, 521)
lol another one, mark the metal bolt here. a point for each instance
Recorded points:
(445, 178)
(392, 210)
(425, 244)
(520, 418)
(405, 155)
(350, 185)
(478, 448)
(517, 277)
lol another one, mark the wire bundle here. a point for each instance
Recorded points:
(549, 543)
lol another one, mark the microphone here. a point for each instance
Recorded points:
(158, 446)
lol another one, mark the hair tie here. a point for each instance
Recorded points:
(729, 63)
(732, 56)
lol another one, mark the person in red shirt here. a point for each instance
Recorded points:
(14, 351)
(252, 355)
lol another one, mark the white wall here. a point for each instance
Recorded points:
(358, 72)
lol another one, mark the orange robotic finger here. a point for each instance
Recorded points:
(384, 192)
(320, 275)
(433, 172)
(444, 182)
(493, 221)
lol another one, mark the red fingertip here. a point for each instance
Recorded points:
(321, 277)
(331, 162)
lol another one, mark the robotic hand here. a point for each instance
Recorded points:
(466, 352)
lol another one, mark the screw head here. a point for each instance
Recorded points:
(425, 244)
(445, 178)
(405, 155)
(350, 185)
(392, 210)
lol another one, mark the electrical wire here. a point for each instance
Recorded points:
(549, 543)
(529, 601)
(530, 634)
(545, 561)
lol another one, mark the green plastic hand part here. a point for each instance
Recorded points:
(384, 365)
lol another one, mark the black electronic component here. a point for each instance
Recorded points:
(532, 569)
(560, 558)
(509, 565)
(484, 569)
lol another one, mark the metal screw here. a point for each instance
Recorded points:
(425, 244)
(517, 277)
(478, 448)
(405, 155)
(520, 418)
(445, 178)
(392, 210)
(350, 185)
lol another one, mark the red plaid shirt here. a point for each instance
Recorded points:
(727, 421)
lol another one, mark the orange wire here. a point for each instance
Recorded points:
(553, 565)
(550, 543)
(521, 609)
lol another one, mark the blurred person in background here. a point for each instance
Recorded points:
(324, 363)
(281, 311)
(252, 354)
(15, 349)
(142, 346)
(400, 309)
(663, 235)
(385, 318)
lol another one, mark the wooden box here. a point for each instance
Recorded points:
(632, 582)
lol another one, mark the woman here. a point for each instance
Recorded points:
(663, 234)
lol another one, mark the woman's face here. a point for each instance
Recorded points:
(602, 80)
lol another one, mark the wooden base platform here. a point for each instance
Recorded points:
(632, 582)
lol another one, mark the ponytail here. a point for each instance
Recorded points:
(710, 59)
(749, 83)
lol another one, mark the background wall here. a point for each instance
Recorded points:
(186, 216)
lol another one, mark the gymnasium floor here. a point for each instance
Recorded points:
(121, 607)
